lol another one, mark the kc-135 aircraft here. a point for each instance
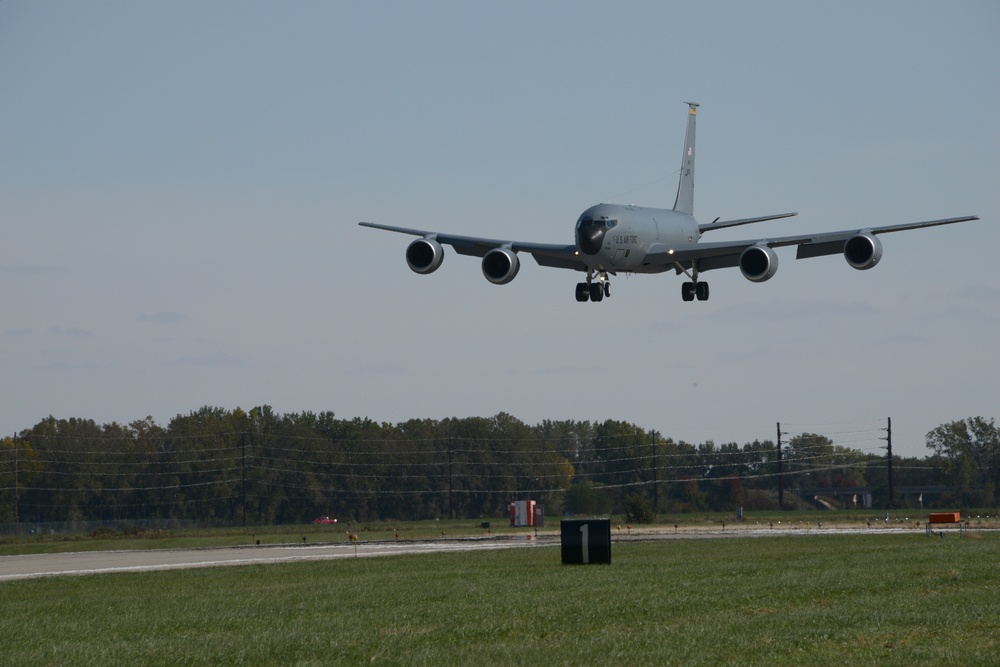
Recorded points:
(613, 238)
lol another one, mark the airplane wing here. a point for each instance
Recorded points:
(742, 221)
(546, 254)
(725, 254)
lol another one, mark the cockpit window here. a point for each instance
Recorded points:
(598, 222)
(590, 232)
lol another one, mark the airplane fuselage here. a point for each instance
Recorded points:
(613, 238)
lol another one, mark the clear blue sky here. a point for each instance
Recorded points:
(180, 186)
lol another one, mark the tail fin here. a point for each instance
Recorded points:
(685, 188)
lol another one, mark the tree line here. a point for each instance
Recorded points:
(257, 467)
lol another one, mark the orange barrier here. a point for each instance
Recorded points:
(946, 517)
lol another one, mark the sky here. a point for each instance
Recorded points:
(180, 187)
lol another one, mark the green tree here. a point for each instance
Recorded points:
(638, 508)
(19, 466)
(687, 496)
(726, 494)
(202, 455)
(817, 462)
(587, 498)
(970, 450)
(623, 459)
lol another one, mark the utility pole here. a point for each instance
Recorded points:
(656, 504)
(888, 440)
(451, 504)
(243, 445)
(781, 474)
(17, 523)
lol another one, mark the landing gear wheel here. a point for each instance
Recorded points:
(690, 291)
(596, 292)
(582, 292)
(607, 289)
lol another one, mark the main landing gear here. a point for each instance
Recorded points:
(598, 286)
(594, 291)
(694, 288)
(691, 290)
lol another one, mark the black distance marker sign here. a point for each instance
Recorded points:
(585, 541)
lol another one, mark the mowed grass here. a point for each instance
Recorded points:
(790, 600)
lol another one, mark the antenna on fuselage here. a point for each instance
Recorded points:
(685, 187)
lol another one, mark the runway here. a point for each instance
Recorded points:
(101, 562)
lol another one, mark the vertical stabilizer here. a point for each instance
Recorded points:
(685, 188)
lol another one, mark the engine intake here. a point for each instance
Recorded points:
(863, 251)
(500, 265)
(758, 263)
(424, 256)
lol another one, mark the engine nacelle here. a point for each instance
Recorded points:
(758, 263)
(863, 251)
(424, 256)
(500, 265)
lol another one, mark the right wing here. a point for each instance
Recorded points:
(546, 254)
(743, 221)
(725, 254)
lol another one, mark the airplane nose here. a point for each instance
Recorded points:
(590, 238)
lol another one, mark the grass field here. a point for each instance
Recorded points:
(796, 600)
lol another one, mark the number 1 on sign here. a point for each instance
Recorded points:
(585, 540)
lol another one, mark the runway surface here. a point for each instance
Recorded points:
(98, 562)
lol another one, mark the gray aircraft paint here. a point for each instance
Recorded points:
(612, 238)
(685, 189)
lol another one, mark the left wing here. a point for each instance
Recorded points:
(546, 254)
(727, 253)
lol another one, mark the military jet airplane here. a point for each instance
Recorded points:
(613, 238)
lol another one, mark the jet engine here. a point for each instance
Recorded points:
(500, 265)
(758, 263)
(863, 251)
(424, 255)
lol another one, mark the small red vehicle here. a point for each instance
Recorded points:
(324, 520)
